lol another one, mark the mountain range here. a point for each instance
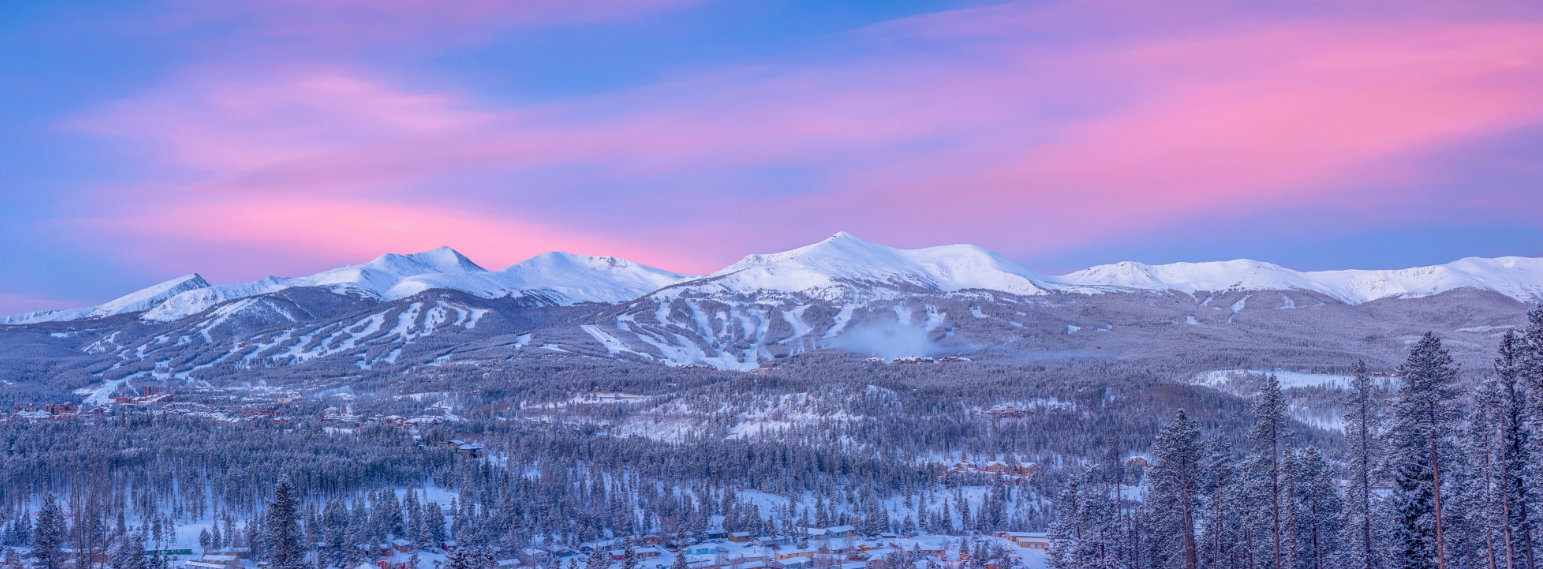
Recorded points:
(839, 267)
(438, 312)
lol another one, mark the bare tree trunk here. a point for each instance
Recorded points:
(1435, 467)
(1505, 510)
(1275, 490)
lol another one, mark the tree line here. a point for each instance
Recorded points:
(1435, 475)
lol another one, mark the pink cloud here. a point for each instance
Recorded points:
(989, 131)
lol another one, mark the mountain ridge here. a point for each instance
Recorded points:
(841, 265)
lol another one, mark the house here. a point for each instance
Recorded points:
(804, 552)
(401, 545)
(741, 537)
(469, 450)
(794, 563)
(221, 559)
(1028, 540)
(833, 532)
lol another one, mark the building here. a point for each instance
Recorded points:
(833, 532)
(786, 554)
(1027, 540)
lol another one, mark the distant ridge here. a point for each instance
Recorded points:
(840, 265)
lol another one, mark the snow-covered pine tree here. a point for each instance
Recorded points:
(414, 515)
(285, 550)
(1174, 500)
(1362, 431)
(1477, 492)
(1268, 436)
(1085, 533)
(48, 535)
(1318, 510)
(434, 524)
(598, 559)
(130, 552)
(334, 532)
(1424, 414)
(1515, 469)
(629, 559)
(1222, 543)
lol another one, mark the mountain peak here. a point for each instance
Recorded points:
(442, 259)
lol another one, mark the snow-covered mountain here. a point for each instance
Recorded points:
(583, 278)
(843, 263)
(137, 301)
(1520, 278)
(841, 267)
(552, 278)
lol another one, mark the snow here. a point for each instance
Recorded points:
(1288, 379)
(832, 267)
(582, 278)
(612, 345)
(842, 267)
(1520, 278)
(558, 277)
(137, 301)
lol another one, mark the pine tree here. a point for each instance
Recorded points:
(597, 559)
(1424, 413)
(1223, 507)
(1066, 545)
(285, 550)
(1317, 509)
(1362, 424)
(629, 558)
(1268, 435)
(469, 558)
(414, 514)
(334, 531)
(434, 524)
(1175, 496)
(48, 535)
(1413, 533)
(130, 552)
(1515, 468)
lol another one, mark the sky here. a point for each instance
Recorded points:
(246, 138)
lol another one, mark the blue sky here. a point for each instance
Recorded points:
(239, 139)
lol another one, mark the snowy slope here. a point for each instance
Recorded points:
(583, 278)
(1520, 278)
(845, 262)
(137, 301)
